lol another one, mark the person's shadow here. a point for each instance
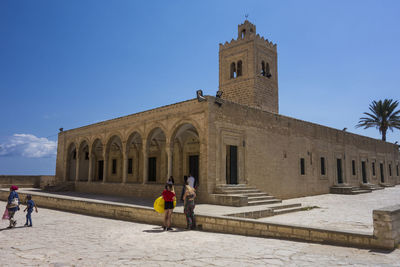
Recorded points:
(155, 230)
(161, 230)
(15, 227)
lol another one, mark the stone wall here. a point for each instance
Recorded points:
(26, 180)
(270, 147)
(387, 226)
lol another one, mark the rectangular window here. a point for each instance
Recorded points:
(353, 167)
(114, 166)
(302, 167)
(397, 169)
(390, 169)
(322, 166)
(373, 169)
(130, 166)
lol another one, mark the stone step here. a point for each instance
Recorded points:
(235, 186)
(257, 194)
(266, 197)
(371, 187)
(377, 188)
(360, 191)
(237, 191)
(242, 194)
(350, 190)
(387, 185)
(287, 210)
(264, 202)
(285, 206)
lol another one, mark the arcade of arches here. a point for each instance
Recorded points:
(136, 159)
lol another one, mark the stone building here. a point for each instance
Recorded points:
(237, 137)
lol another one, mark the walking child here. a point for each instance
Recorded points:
(29, 206)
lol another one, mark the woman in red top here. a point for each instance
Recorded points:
(168, 196)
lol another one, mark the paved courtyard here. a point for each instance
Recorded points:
(67, 239)
(340, 212)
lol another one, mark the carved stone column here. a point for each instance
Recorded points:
(90, 178)
(145, 165)
(77, 166)
(124, 166)
(105, 167)
(168, 150)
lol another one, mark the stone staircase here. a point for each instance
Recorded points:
(386, 185)
(251, 195)
(348, 190)
(258, 204)
(373, 187)
(268, 210)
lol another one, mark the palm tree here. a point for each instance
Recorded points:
(383, 116)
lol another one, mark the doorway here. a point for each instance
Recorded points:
(339, 171)
(194, 168)
(231, 165)
(364, 172)
(152, 169)
(100, 170)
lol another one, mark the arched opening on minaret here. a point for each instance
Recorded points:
(239, 68)
(233, 70)
(243, 34)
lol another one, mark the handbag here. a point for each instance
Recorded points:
(14, 203)
(5, 215)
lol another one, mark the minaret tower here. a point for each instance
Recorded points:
(248, 70)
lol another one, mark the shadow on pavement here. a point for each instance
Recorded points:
(161, 230)
(155, 230)
(16, 227)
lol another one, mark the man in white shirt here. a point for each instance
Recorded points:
(191, 180)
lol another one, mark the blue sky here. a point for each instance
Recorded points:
(72, 63)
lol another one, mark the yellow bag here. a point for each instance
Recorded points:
(159, 204)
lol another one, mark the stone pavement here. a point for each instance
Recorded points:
(67, 239)
(340, 212)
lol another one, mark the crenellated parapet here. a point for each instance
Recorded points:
(266, 42)
(251, 37)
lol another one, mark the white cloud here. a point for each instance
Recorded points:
(28, 145)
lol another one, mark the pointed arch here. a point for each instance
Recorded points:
(156, 155)
(97, 154)
(71, 162)
(233, 70)
(134, 154)
(239, 68)
(114, 159)
(185, 143)
(83, 157)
